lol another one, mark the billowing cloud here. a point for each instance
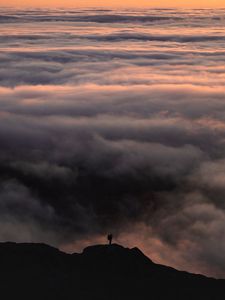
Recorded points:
(109, 126)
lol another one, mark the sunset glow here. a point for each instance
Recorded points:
(115, 3)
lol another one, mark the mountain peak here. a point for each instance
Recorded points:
(101, 248)
(115, 251)
(100, 272)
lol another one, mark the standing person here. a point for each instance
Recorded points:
(110, 237)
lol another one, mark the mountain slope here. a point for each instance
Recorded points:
(38, 271)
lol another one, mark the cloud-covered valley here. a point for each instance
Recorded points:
(115, 126)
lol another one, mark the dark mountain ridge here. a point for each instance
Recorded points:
(38, 271)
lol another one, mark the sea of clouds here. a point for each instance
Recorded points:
(114, 121)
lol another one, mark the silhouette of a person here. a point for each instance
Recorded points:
(110, 237)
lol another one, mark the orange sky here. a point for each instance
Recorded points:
(139, 3)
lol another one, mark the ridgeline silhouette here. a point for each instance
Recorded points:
(101, 272)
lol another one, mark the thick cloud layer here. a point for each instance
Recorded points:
(109, 124)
